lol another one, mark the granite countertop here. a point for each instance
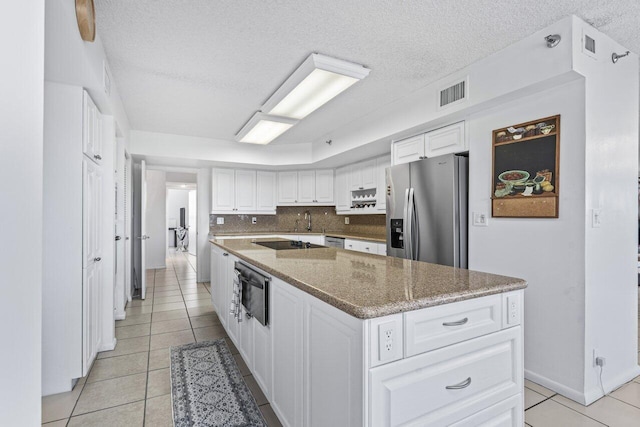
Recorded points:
(366, 285)
(361, 236)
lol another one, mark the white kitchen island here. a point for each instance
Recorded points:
(355, 339)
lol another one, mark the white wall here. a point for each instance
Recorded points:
(193, 221)
(204, 207)
(156, 219)
(176, 199)
(21, 148)
(545, 252)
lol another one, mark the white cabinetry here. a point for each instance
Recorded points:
(343, 189)
(363, 175)
(287, 188)
(382, 163)
(266, 191)
(79, 201)
(365, 246)
(310, 187)
(445, 140)
(239, 191)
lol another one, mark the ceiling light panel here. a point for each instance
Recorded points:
(319, 79)
(263, 128)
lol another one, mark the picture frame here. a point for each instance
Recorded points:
(526, 169)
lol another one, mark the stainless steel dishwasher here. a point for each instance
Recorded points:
(334, 242)
(255, 292)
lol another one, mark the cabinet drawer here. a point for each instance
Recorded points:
(448, 384)
(436, 327)
(507, 413)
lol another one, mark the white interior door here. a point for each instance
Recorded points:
(143, 229)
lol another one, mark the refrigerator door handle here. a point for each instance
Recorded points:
(406, 227)
(415, 232)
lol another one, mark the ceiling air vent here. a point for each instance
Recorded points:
(452, 94)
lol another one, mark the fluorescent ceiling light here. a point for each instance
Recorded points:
(263, 128)
(319, 79)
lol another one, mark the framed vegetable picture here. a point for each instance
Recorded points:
(526, 175)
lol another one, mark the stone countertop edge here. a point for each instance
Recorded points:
(370, 312)
(355, 236)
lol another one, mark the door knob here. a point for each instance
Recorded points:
(118, 238)
(97, 259)
(97, 156)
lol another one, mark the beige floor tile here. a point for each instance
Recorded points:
(637, 379)
(167, 288)
(168, 307)
(120, 366)
(134, 320)
(629, 393)
(138, 310)
(195, 291)
(133, 331)
(232, 347)
(159, 412)
(140, 302)
(159, 383)
(170, 326)
(205, 321)
(171, 339)
(270, 416)
(539, 389)
(166, 300)
(257, 393)
(209, 333)
(553, 414)
(532, 398)
(244, 369)
(130, 415)
(110, 393)
(61, 423)
(607, 410)
(59, 406)
(127, 346)
(200, 311)
(199, 303)
(167, 293)
(159, 359)
(193, 297)
(169, 315)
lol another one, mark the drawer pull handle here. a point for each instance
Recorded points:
(458, 323)
(464, 384)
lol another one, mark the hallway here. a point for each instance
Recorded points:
(130, 386)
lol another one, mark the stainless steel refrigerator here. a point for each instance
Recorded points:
(427, 210)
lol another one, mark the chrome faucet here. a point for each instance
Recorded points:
(295, 229)
(307, 215)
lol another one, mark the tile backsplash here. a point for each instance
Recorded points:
(322, 218)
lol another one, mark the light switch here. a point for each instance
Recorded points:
(219, 220)
(596, 218)
(480, 219)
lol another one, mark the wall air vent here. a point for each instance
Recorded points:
(453, 93)
(589, 44)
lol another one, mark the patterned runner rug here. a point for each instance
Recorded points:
(207, 388)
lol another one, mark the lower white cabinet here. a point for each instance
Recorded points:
(507, 413)
(262, 356)
(449, 384)
(91, 301)
(365, 246)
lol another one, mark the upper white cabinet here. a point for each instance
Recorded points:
(382, 163)
(343, 189)
(445, 140)
(310, 187)
(287, 187)
(237, 191)
(408, 150)
(91, 129)
(265, 191)
(363, 175)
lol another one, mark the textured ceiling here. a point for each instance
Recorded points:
(203, 67)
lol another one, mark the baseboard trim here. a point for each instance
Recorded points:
(567, 392)
(110, 346)
(120, 315)
(595, 392)
(156, 267)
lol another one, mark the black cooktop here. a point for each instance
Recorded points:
(280, 245)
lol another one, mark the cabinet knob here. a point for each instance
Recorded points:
(225, 254)
(361, 188)
(97, 259)
(367, 248)
(97, 156)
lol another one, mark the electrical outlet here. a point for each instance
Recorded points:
(600, 361)
(346, 220)
(254, 220)
(220, 221)
(595, 356)
(480, 219)
(386, 341)
(513, 310)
